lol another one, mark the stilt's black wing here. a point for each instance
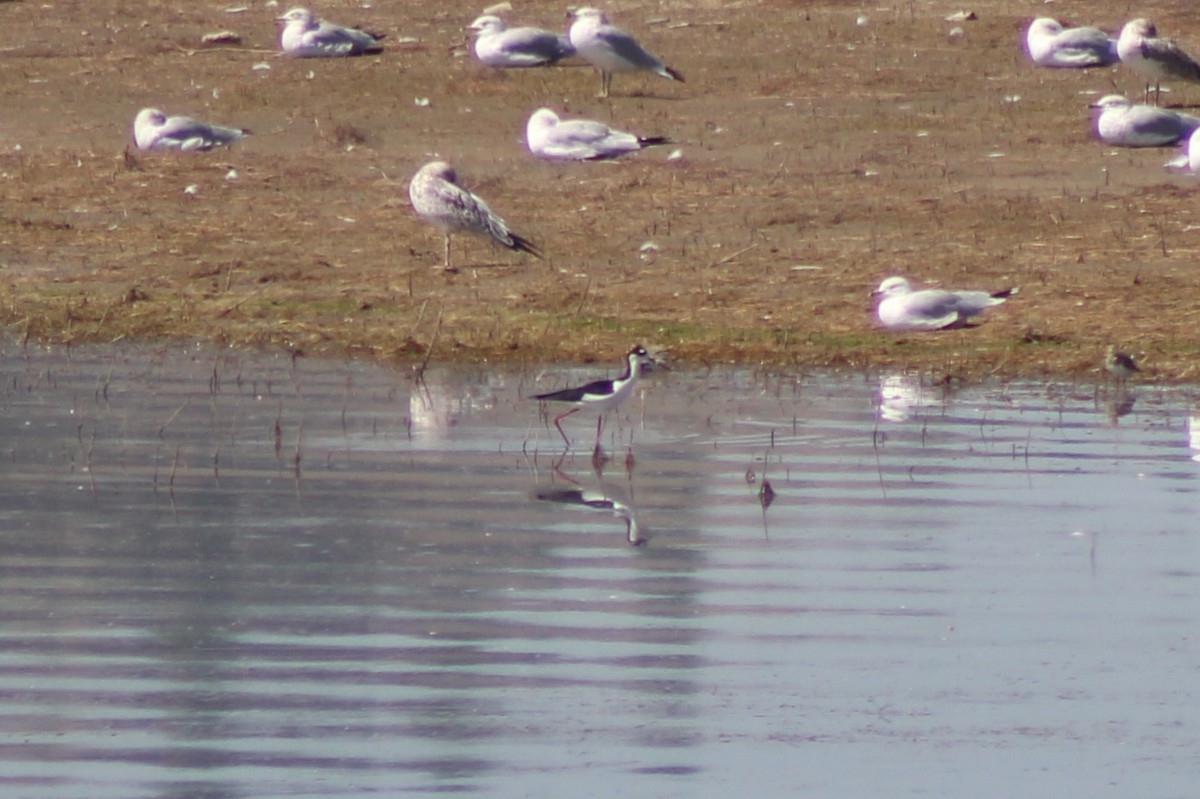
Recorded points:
(595, 388)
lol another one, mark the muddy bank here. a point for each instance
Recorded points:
(818, 155)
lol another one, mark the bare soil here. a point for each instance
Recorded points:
(819, 154)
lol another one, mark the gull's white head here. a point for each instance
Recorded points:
(145, 127)
(439, 170)
(894, 286)
(542, 119)
(1039, 39)
(298, 16)
(1045, 26)
(537, 129)
(1141, 28)
(149, 117)
(488, 23)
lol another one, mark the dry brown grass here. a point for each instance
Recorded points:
(819, 157)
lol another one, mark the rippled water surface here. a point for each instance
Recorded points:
(234, 575)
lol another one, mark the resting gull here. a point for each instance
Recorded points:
(304, 35)
(931, 309)
(154, 130)
(579, 139)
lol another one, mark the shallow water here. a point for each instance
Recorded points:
(228, 574)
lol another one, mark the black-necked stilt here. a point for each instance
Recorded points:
(599, 395)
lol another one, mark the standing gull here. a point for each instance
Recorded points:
(498, 46)
(437, 197)
(1154, 58)
(599, 395)
(1052, 45)
(306, 36)
(610, 49)
(579, 139)
(931, 309)
(1123, 124)
(154, 130)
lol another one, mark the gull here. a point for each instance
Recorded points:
(1052, 45)
(1189, 159)
(498, 46)
(931, 309)
(154, 130)
(1155, 59)
(306, 36)
(1119, 364)
(610, 49)
(599, 395)
(579, 139)
(437, 197)
(1123, 124)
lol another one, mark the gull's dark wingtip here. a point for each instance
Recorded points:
(522, 244)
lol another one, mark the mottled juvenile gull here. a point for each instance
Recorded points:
(579, 139)
(154, 130)
(1052, 45)
(1154, 58)
(498, 46)
(437, 197)
(931, 309)
(1123, 124)
(610, 49)
(306, 36)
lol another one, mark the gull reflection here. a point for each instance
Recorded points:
(442, 399)
(902, 394)
(1194, 436)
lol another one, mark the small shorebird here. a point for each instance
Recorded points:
(930, 309)
(599, 395)
(437, 197)
(154, 130)
(610, 49)
(1154, 58)
(500, 46)
(304, 35)
(1119, 364)
(1052, 45)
